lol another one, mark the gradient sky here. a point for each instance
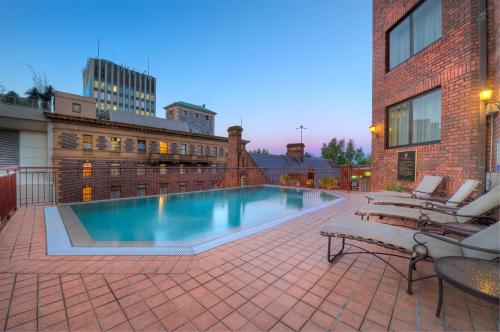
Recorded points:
(277, 64)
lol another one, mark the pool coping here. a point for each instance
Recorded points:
(60, 242)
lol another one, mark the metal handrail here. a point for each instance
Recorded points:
(25, 102)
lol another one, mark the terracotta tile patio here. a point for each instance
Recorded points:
(278, 279)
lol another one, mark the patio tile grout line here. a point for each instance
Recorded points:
(10, 302)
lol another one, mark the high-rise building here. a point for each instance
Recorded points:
(118, 89)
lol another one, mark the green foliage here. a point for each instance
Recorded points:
(285, 179)
(345, 153)
(308, 155)
(393, 186)
(328, 182)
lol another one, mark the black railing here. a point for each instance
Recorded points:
(70, 184)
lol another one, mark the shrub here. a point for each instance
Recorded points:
(328, 183)
(393, 186)
(285, 180)
(310, 183)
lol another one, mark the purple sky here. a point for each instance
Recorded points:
(278, 64)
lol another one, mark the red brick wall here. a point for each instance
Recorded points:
(450, 63)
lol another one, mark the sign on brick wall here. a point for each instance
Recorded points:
(407, 165)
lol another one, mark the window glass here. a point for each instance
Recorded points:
(141, 190)
(87, 193)
(399, 43)
(163, 169)
(163, 189)
(182, 148)
(141, 169)
(399, 124)
(87, 142)
(116, 144)
(115, 169)
(87, 169)
(76, 108)
(426, 24)
(199, 150)
(415, 121)
(163, 147)
(427, 118)
(115, 192)
(141, 145)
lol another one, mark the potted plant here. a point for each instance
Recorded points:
(393, 186)
(310, 183)
(328, 183)
(285, 180)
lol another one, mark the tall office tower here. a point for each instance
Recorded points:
(118, 89)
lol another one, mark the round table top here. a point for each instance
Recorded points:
(478, 277)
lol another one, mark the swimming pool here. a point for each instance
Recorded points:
(184, 223)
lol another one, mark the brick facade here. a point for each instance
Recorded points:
(450, 63)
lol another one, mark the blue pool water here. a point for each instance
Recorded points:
(189, 216)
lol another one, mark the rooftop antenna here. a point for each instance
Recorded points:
(241, 122)
(148, 66)
(98, 46)
(302, 128)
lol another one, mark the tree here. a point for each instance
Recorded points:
(10, 97)
(345, 153)
(308, 155)
(47, 94)
(33, 93)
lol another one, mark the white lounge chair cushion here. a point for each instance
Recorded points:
(481, 205)
(405, 213)
(389, 234)
(428, 185)
(465, 190)
(487, 238)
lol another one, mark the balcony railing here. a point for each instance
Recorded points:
(45, 185)
(25, 102)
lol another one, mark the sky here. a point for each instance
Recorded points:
(271, 65)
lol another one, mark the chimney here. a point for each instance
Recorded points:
(295, 150)
(232, 175)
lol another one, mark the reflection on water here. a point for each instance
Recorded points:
(183, 217)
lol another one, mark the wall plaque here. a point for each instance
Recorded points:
(407, 165)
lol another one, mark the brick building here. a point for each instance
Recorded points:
(131, 156)
(431, 59)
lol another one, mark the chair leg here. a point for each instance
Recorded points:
(337, 255)
(410, 276)
(440, 299)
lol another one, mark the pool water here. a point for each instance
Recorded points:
(190, 216)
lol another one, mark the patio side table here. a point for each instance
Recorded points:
(477, 277)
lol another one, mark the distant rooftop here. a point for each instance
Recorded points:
(148, 121)
(191, 106)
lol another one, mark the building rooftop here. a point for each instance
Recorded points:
(272, 165)
(191, 106)
(148, 121)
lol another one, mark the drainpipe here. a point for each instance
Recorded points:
(483, 77)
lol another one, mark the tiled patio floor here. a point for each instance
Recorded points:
(278, 279)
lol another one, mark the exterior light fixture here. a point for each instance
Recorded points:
(485, 95)
(372, 129)
(490, 107)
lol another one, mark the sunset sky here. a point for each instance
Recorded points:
(275, 64)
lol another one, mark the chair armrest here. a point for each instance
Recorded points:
(451, 241)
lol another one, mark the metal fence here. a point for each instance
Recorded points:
(7, 194)
(45, 185)
(25, 102)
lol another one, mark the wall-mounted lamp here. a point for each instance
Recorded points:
(373, 130)
(486, 96)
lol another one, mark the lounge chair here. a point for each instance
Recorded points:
(466, 190)
(437, 216)
(426, 187)
(417, 245)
